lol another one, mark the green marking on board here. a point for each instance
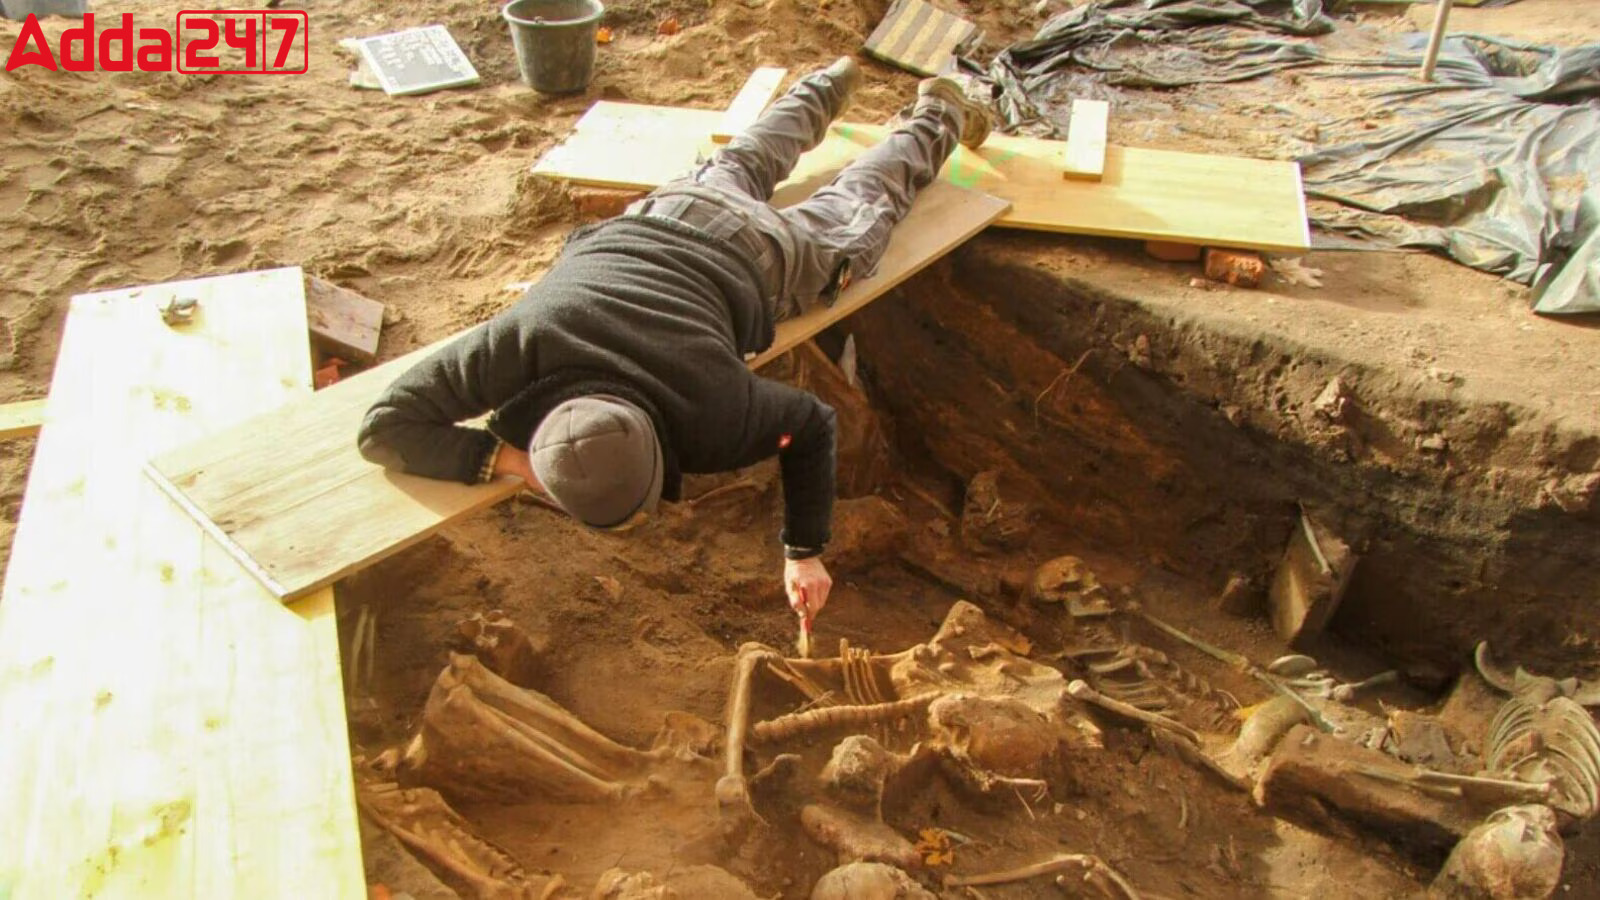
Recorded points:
(959, 176)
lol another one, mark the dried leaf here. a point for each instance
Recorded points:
(1294, 271)
(669, 26)
(934, 847)
(602, 35)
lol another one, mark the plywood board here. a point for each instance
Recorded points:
(1086, 140)
(171, 730)
(758, 92)
(304, 509)
(343, 322)
(918, 36)
(21, 419)
(1219, 201)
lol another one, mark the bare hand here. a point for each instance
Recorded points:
(512, 461)
(807, 582)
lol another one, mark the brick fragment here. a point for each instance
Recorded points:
(1240, 268)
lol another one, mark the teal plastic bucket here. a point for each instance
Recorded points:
(555, 42)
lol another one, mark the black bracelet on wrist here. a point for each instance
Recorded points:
(800, 552)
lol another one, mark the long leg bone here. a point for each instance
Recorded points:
(733, 794)
(482, 736)
(1048, 867)
(544, 715)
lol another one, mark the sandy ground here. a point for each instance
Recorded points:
(109, 180)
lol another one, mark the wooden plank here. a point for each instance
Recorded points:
(343, 322)
(759, 90)
(21, 419)
(304, 509)
(919, 37)
(1216, 201)
(170, 730)
(1086, 140)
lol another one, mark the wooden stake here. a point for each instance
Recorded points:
(1086, 140)
(21, 419)
(1441, 15)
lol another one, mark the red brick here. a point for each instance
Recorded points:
(601, 203)
(1173, 251)
(1240, 268)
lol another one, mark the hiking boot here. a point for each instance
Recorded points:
(974, 118)
(845, 74)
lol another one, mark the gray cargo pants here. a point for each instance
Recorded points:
(843, 228)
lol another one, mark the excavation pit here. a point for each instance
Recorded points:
(1170, 445)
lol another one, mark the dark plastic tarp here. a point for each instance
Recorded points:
(1490, 163)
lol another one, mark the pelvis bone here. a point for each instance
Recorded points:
(485, 738)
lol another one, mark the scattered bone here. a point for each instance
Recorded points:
(1150, 680)
(989, 522)
(1088, 862)
(1084, 692)
(1516, 853)
(1543, 734)
(427, 825)
(1294, 665)
(868, 881)
(501, 645)
(1322, 685)
(1242, 596)
(857, 838)
(483, 737)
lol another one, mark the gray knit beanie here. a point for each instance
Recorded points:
(599, 457)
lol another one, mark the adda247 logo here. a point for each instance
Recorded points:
(254, 42)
